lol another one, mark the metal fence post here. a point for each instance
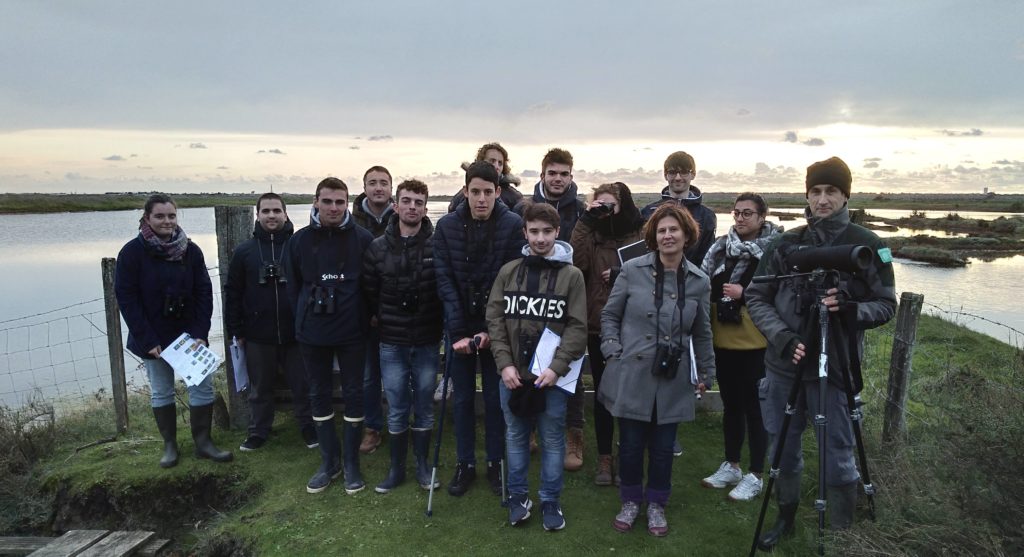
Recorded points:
(905, 337)
(234, 226)
(114, 345)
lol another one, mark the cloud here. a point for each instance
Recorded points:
(814, 142)
(271, 151)
(380, 138)
(974, 132)
(114, 158)
(73, 176)
(871, 164)
(1004, 161)
(197, 146)
(529, 174)
(873, 159)
(743, 112)
(354, 147)
(790, 137)
(132, 156)
(223, 168)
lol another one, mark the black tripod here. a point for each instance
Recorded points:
(822, 280)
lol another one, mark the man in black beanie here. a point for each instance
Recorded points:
(788, 319)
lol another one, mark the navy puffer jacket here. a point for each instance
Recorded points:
(468, 254)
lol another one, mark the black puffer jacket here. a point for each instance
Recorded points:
(401, 286)
(510, 196)
(569, 208)
(255, 304)
(366, 219)
(705, 217)
(468, 254)
(330, 259)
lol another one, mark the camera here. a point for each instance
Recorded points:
(666, 361)
(323, 300)
(602, 210)
(527, 347)
(174, 306)
(271, 273)
(476, 302)
(728, 310)
(410, 302)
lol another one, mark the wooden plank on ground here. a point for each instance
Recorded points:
(21, 545)
(153, 548)
(72, 543)
(118, 543)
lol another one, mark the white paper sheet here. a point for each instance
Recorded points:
(193, 365)
(545, 353)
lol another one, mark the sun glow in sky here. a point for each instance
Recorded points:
(197, 97)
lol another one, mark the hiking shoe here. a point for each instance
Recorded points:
(552, 513)
(677, 448)
(627, 516)
(603, 475)
(748, 488)
(657, 524)
(726, 475)
(519, 508)
(252, 443)
(309, 437)
(439, 391)
(371, 440)
(494, 476)
(463, 478)
(573, 450)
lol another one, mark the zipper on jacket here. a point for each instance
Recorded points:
(277, 286)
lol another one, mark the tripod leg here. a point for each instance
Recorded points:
(856, 415)
(774, 472)
(445, 377)
(821, 424)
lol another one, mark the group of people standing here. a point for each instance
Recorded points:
(373, 289)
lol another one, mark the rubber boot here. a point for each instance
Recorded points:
(167, 423)
(842, 500)
(330, 456)
(788, 497)
(399, 452)
(201, 417)
(421, 449)
(353, 437)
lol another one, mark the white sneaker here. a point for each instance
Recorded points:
(725, 476)
(439, 389)
(748, 488)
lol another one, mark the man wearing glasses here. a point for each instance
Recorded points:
(679, 172)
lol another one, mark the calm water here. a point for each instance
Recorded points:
(53, 261)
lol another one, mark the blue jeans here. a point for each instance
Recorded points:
(551, 437)
(634, 437)
(463, 376)
(161, 386)
(372, 383)
(402, 367)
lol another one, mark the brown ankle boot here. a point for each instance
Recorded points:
(604, 473)
(574, 449)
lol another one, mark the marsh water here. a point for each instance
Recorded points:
(52, 261)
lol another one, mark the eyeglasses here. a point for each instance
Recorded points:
(745, 214)
(674, 171)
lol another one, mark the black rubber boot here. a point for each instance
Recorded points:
(399, 453)
(350, 457)
(421, 449)
(330, 456)
(167, 423)
(788, 491)
(842, 500)
(201, 417)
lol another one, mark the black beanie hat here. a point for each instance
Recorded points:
(833, 172)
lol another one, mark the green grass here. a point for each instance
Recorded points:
(944, 490)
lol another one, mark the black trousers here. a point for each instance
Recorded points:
(604, 423)
(738, 374)
(263, 362)
(319, 362)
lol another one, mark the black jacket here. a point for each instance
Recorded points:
(327, 261)
(569, 208)
(143, 280)
(256, 303)
(510, 196)
(467, 256)
(705, 217)
(401, 286)
(366, 219)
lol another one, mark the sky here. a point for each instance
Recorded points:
(916, 96)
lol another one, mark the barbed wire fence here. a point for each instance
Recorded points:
(61, 355)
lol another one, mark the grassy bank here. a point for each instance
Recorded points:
(14, 203)
(949, 489)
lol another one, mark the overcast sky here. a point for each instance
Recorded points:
(208, 96)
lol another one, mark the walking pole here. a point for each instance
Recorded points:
(445, 377)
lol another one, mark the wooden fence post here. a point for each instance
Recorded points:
(899, 366)
(234, 226)
(114, 346)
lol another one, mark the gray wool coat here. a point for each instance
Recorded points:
(629, 329)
